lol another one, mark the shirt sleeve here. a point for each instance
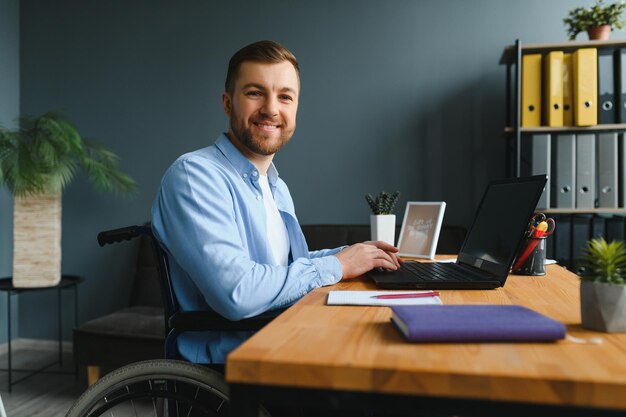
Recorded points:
(195, 219)
(326, 252)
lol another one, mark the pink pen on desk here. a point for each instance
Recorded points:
(406, 295)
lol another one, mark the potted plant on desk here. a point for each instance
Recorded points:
(598, 20)
(603, 286)
(36, 162)
(382, 222)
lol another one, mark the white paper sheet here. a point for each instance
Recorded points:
(366, 298)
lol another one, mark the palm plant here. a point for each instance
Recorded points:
(43, 155)
(37, 161)
(604, 262)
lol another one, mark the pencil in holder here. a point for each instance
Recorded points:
(531, 259)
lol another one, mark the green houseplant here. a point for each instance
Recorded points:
(37, 160)
(597, 20)
(603, 286)
(382, 222)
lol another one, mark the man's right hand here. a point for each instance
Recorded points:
(363, 257)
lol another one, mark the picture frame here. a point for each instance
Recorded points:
(420, 228)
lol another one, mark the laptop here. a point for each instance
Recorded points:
(489, 248)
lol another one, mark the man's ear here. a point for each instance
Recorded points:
(227, 103)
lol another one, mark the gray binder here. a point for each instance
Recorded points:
(606, 86)
(607, 170)
(585, 171)
(565, 171)
(541, 165)
(621, 82)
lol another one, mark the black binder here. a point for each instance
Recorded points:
(606, 86)
(614, 228)
(562, 237)
(581, 232)
(598, 228)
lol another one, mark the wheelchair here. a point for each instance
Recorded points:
(165, 387)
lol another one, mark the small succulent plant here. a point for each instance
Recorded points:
(384, 203)
(604, 262)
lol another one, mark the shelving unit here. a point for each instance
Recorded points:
(576, 226)
(511, 57)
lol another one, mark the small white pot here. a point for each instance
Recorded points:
(383, 227)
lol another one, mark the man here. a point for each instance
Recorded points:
(227, 221)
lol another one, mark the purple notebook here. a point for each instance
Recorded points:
(475, 323)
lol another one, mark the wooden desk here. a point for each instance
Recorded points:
(344, 356)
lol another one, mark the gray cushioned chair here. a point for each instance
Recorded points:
(131, 334)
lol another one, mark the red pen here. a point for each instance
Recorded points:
(406, 295)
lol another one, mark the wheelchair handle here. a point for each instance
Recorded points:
(124, 233)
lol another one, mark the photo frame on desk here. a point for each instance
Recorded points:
(420, 228)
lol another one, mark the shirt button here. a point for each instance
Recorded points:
(254, 173)
(258, 197)
(245, 175)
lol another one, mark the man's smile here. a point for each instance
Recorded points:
(267, 126)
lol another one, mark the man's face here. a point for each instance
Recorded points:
(263, 106)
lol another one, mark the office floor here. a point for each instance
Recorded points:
(49, 394)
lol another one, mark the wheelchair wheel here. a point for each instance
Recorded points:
(157, 388)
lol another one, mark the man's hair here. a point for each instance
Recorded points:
(267, 52)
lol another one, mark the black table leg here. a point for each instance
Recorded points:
(9, 336)
(60, 318)
(243, 401)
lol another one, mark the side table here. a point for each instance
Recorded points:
(67, 282)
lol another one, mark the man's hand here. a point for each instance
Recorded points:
(362, 257)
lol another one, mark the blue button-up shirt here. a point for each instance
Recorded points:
(210, 219)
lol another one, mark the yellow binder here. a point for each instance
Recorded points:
(568, 92)
(531, 90)
(553, 89)
(585, 63)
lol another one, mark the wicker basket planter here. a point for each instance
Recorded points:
(37, 240)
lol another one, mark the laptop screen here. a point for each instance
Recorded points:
(500, 222)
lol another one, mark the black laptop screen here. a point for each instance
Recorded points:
(500, 223)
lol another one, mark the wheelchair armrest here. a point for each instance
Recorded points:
(124, 233)
(190, 321)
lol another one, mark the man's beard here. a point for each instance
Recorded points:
(258, 144)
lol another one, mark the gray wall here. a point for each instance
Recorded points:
(9, 111)
(396, 95)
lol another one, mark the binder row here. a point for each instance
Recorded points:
(583, 88)
(585, 170)
(572, 233)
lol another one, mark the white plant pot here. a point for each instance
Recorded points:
(603, 306)
(383, 227)
(37, 241)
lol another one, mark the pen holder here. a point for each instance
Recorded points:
(534, 252)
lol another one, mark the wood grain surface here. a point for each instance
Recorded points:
(313, 345)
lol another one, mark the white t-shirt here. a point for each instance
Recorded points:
(276, 231)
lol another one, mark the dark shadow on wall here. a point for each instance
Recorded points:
(462, 147)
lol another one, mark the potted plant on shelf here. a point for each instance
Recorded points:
(37, 161)
(382, 222)
(597, 20)
(603, 286)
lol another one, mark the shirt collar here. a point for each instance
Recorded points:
(245, 168)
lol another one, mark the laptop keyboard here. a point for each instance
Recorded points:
(434, 271)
